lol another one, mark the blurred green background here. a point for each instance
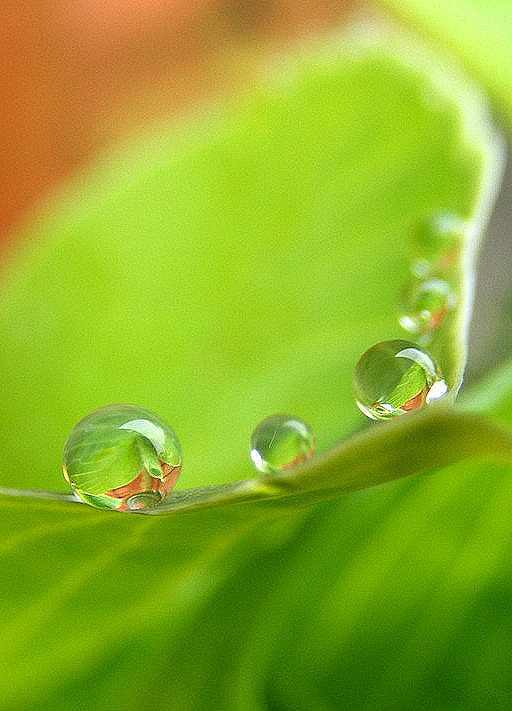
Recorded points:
(208, 209)
(81, 75)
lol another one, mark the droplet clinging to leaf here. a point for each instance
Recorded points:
(122, 457)
(281, 442)
(396, 377)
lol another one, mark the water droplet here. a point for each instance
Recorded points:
(281, 442)
(396, 377)
(438, 239)
(122, 457)
(426, 305)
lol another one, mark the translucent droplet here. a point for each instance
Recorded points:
(281, 442)
(122, 457)
(426, 305)
(396, 377)
(438, 239)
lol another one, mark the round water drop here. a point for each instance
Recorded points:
(122, 457)
(396, 377)
(426, 305)
(438, 239)
(281, 442)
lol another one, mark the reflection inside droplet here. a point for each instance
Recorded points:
(394, 378)
(281, 442)
(122, 457)
(438, 239)
(426, 305)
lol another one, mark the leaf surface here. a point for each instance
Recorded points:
(477, 31)
(219, 271)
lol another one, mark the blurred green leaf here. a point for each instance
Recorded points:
(90, 596)
(477, 31)
(216, 273)
(239, 264)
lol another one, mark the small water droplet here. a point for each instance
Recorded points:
(438, 239)
(426, 305)
(122, 457)
(281, 442)
(396, 377)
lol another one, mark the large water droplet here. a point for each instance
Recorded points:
(396, 377)
(122, 457)
(426, 305)
(438, 240)
(281, 442)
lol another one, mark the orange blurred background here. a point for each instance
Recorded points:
(78, 74)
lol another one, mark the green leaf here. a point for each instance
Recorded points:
(239, 264)
(477, 31)
(95, 583)
(217, 272)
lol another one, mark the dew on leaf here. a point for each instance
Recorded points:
(437, 243)
(426, 304)
(122, 457)
(281, 442)
(394, 378)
